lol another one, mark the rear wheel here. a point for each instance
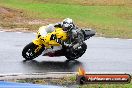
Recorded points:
(29, 51)
(77, 52)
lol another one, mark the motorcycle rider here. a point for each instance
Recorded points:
(68, 26)
(74, 34)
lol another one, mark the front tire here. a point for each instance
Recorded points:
(77, 53)
(28, 51)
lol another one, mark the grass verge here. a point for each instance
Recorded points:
(109, 20)
(71, 82)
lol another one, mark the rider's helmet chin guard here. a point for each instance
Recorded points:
(67, 24)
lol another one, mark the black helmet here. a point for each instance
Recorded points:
(67, 24)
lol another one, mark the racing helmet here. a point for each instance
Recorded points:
(67, 24)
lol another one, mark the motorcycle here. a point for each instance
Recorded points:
(44, 44)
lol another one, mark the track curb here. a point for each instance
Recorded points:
(48, 75)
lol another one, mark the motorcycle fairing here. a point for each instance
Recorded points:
(45, 39)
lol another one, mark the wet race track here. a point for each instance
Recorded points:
(102, 55)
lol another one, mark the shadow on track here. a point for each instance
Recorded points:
(52, 66)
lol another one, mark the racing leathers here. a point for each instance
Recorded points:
(75, 37)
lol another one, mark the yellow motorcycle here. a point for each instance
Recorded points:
(46, 45)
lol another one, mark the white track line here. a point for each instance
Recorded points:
(2, 31)
(93, 37)
(19, 32)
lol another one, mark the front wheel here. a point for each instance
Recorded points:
(29, 51)
(77, 53)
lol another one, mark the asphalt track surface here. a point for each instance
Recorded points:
(102, 55)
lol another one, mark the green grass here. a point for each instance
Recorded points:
(71, 81)
(109, 21)
(106, 86)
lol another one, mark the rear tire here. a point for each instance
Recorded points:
(77, 53)
(28, 51)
